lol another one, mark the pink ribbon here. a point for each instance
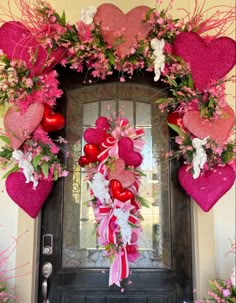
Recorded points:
(110, 145)
(107, 220)
(119, 268)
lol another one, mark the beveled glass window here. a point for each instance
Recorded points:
(85, 105)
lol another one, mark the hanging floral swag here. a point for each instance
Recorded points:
(179, 52)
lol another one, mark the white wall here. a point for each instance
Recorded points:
(8, 225)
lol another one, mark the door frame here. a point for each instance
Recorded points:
(201, 261)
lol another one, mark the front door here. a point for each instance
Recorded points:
(163, 273)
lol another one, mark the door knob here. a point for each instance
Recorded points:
(46, 272)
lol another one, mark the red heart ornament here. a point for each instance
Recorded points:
(25, 196)
(98, 134)
(209, 187)
(176, 119)
(208, 61)
(116, 24)
(17, 42)
(218, 130)
(120, 193)
(126, 152)
(20, 126)
(118, 172)
(91, 153)
(51, 121)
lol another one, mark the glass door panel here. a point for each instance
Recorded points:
(85, 105)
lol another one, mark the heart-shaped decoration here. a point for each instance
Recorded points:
(91, 153)
(118, 172)
(120, 193)
(116, 24)
(176, 119)
(98, 134)
(25, 196)
(127, 153)
(209, 187)
(51, 121)
(17, 42)
(20, 126)
(208, 61)
(218, 130)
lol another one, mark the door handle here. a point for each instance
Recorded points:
(46, 272)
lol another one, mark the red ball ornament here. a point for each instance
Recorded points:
(91, 153)
(51, 121)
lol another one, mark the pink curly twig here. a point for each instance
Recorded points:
(221, 18)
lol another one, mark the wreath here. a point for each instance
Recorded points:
(179, 52)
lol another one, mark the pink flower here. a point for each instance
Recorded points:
(84, 31)
(226, 293)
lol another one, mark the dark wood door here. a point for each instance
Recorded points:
(163, 273)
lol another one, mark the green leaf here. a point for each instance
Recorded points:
(190, 81)
(142, 174)
(12, 170)
(148, 14)
(63, 19)
(6, 152)
(111, 58)
(175, 128)
(211, 102)
(5, 139)
(35, 161)
(162, 100)
(55, 175)
(172, 81)
(143, 201)
(45, 168)
(202, 112)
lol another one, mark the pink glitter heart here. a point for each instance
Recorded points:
(16, 41)
(208, 61)
(118, 172)
(115, 23)
(208, 188)
(98, 134)
(19, 126)
(218, 130)
(126, 152)
(25, 196)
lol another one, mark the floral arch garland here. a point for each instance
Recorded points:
(179, 53)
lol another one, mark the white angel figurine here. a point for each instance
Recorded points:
(199, 157)
(24, 162)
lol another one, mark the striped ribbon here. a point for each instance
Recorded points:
(110, 145)
(107, 220)
(119, 268)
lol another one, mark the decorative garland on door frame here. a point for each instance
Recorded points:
(179, 52)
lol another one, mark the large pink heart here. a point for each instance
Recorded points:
(208, 61)
(127, 153)
(19, 126)
(16, 41)
(117, 171)
(98, 134)
(25, 196)
(114, 24)
(218, 130)
(208, 188)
